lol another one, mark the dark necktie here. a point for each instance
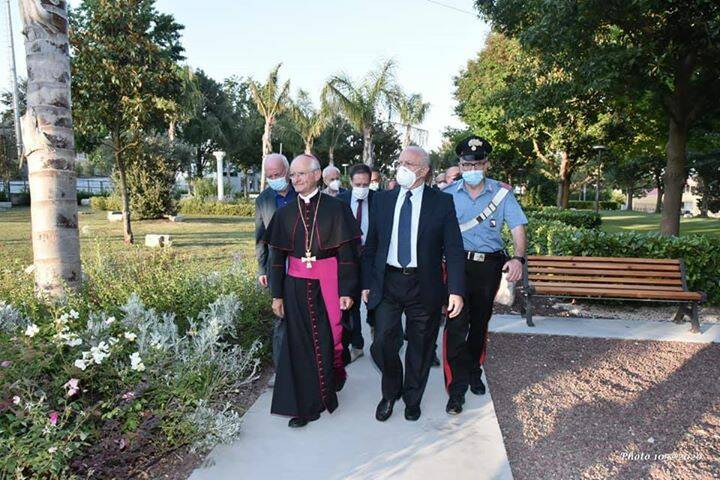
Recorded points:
(358, 212)
(404, 229)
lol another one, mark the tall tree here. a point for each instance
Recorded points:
(412, 111)
(271, 100)
(308, 121)
(50, 148)
(124, 88)
(362, 100)
(671, 48)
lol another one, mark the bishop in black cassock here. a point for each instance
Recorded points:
(314, 273)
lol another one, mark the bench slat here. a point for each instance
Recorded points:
(669, 261)
(580, 278)
(616, 293)
(610, 273)
(613, 286)
(606, 265)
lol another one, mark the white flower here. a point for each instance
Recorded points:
(71, 386)
(113, 341)
(73, 341)
(136, 362)
(100, 352)
(74, 314)
(16, 400)
(81, 364)
(52, 450)
(110, 320)
(130, 336)
(31, 330)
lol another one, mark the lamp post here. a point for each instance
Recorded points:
(345, 165)
(599, 149)
(219, 156)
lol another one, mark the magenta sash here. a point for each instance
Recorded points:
(326, 271)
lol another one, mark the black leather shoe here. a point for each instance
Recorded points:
(298, 422)
(384, 410)
(412, 413)
(455, 405)
(478, 388)
(436, 361)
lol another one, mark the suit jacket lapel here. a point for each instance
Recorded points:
(425, 209)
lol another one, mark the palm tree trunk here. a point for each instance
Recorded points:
(267, 150)
(309, 142)
(331, 155)
(367, 146)
(407, 136)
(50, 149)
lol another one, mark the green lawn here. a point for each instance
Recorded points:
(622, 221)
(212, 239)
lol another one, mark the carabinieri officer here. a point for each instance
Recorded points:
(483, 205)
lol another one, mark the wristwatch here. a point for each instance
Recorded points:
(519, 259)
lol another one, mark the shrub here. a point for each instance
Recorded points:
(3, 197)
(206, 188)
(111, 203)
(149, 351)
(576, 218)
(590, 205)
(196, 206)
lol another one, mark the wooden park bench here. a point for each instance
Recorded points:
(609, 278)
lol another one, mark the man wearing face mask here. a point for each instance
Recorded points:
(360, 199)
(411, 229)
(278, 194)
(482, 205)
(331, 178)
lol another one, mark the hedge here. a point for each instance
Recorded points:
(195, 206)
(590, 205)
(111, 203)
(576, 218)
(701, 253)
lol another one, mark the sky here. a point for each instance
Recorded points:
(430, 40)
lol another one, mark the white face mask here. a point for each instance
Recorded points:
(334, 185)
(405, 177)
(361, 193)
(374, 186)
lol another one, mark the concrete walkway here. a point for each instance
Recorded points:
(604, 328)
(350, 443)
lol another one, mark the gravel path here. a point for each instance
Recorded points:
(586, 408)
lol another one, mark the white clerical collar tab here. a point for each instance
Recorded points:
(309, 197)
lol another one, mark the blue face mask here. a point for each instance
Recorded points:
(278, 184)
(473, 177)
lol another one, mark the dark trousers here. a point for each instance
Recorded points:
(402, 294)
(465, 336)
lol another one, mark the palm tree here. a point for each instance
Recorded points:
(271, 101)
(412, 111)
(361, 101)
(309, 123)
(50, 149)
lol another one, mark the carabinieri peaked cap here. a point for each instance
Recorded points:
(473, 147)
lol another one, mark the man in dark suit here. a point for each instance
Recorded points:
(360, 199)
(279, 193)
(411, 229)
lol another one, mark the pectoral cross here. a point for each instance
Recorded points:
(308, 259)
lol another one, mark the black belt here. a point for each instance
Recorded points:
(481, 257)
(403, 270)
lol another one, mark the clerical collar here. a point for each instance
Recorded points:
(309, 197)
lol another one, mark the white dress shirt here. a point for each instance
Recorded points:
(416, 200)
(364, 222)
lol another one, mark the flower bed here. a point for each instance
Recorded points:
(148, 357)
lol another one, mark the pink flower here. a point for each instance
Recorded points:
(5, 364)
(72, 387)
(128, 396)
(54, 418)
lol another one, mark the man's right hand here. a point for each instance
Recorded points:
(366, 296)
(278, 307)
(262, 280)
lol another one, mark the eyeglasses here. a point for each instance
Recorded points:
(294, 175)
(476, 165)
(411, 166)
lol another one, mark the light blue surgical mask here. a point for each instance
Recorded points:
(473, 177)
(278, 184)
